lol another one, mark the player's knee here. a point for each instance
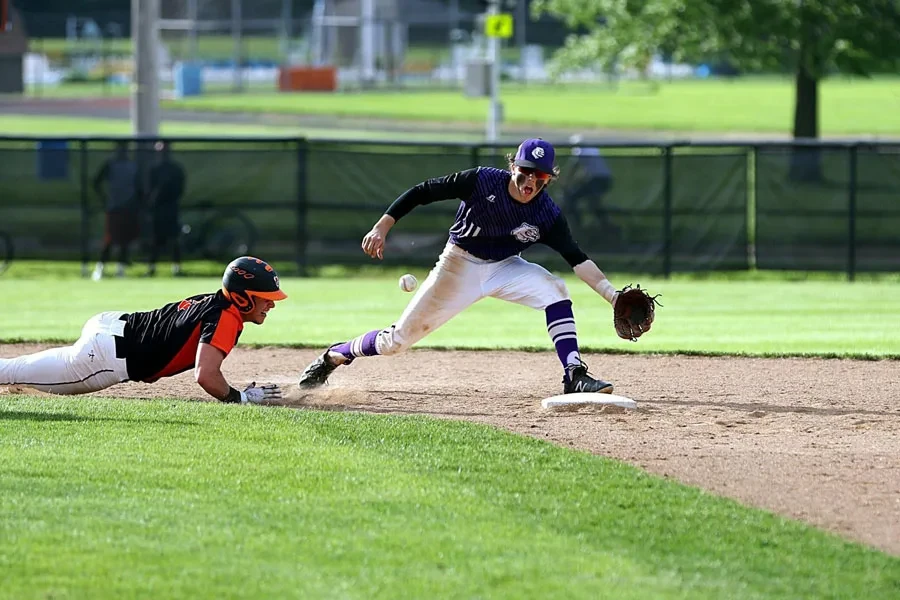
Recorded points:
(559, 288)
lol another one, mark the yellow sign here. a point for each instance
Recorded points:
(499, 26)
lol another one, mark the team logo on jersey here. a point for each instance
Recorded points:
(186, 304)
(537, 152)
(491, 198)
(526, 233)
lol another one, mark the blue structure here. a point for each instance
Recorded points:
(188, 79)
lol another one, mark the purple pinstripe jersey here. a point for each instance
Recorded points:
(493, 226)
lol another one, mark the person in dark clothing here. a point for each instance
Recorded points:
(590, 180)
(166, 185)
(121, 197)
(502, 213)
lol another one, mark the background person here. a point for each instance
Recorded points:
(117, 183)
(167, 183)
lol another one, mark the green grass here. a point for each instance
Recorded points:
(84, 126)
(745, 105)
(111, 499)
(751, 105)
(758, 317)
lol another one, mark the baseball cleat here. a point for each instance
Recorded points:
(316, 374)
(580, 381)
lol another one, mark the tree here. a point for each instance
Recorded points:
(626, 32)
(810, 38)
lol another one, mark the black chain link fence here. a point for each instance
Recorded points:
(640, 208)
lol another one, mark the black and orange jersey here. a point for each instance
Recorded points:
(163, 342)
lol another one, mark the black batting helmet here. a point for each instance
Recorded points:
(247, 278)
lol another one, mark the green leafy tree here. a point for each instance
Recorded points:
(628, 33)
(809, 38)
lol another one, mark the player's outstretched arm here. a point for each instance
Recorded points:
(459, 185)
(373, 242)
(590, 273)
(208, 373)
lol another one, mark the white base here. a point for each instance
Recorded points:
(588, 398)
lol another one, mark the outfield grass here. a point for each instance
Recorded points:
(26, 125)
(847, 107)
(747, 105)
(112, 499)
(762, 317)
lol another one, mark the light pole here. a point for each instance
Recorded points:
(145, 86)
(493, 124)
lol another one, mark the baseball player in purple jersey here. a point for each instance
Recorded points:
(501, 214)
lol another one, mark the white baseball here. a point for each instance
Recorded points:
(408, 283)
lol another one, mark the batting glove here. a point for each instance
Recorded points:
(260, 395)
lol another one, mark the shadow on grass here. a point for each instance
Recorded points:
(15, 415)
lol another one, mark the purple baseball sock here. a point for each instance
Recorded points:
(561, 327)
(363, 345)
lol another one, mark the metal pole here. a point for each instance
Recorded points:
(145, 47)
(493, 124)
(667, 211)
(192, 32)
(302, 152)
(851, 209)
(521, 20)
(752, 190)
(286, 29)
(237, 54)
(367, 41)
(85, 209)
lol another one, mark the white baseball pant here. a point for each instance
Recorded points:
(459, 280)
(89, 365)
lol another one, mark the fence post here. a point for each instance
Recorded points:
(851, 209)
(667, 211)
(752, 203)
(302, 204)
(85, 209)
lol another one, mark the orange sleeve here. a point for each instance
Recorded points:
(224, 333)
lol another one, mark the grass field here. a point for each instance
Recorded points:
(114, 499)
(751, 105)
(735, 317)
(27, 125)
(105, 498)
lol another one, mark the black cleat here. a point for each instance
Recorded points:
(580, 381)
(316, 374)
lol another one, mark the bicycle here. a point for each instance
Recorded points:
(221, 235)
(6, 251)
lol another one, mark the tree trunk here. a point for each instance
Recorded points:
(806, 163)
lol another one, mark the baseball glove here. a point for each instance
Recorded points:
(633, 312)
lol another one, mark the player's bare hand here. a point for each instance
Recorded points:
(373, 243)
(262, 394)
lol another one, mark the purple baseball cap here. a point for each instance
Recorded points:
(537, 154)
